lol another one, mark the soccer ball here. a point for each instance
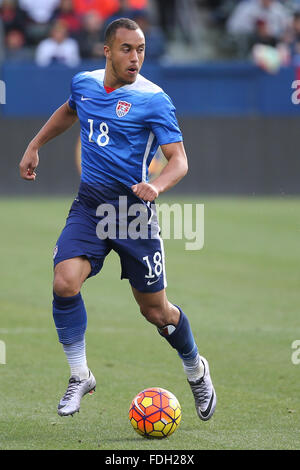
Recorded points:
(155, 412)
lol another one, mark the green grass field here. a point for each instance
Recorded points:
(241, 293)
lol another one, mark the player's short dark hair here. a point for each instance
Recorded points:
(112, 28)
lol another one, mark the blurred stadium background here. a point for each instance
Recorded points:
(229, 67)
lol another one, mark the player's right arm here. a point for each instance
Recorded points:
(61, 120)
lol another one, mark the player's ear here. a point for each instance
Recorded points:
(107, 51)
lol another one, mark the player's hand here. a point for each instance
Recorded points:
(145, 191)
(28, 164)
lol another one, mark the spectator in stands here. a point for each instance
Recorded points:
(263, 35)
(91, 37)
(15, 46)
(59, 47)
(127, 9)
(12, 16)
(14, 22)
(136, 4)
(294, 39)
(67, 14)
(133, 5)
(39, 13)
(252, 19)
(105, 8)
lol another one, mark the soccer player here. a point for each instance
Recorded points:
(124, 118)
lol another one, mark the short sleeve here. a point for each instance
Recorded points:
(162, 119)
(72, 98)
(72, 103)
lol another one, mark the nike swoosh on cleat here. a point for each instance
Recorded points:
(207, 411)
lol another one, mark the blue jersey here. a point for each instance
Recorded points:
(122, 130)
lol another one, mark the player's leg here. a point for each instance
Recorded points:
(69, 275)
(69, 311)
(174, 326)
(71, 320)
(78, 254)
(143, 263)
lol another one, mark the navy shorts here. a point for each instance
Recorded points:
(102, 219)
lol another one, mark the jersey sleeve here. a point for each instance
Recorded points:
(72, 98)
(162, 119)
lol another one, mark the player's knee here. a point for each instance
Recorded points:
(66, 285)
(154, 314)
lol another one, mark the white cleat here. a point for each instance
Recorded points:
(204, 394)
(70, 402)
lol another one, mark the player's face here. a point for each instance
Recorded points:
(125, 56)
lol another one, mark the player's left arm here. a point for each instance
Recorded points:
(172, 173)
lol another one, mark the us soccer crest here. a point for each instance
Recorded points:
(122, 108)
